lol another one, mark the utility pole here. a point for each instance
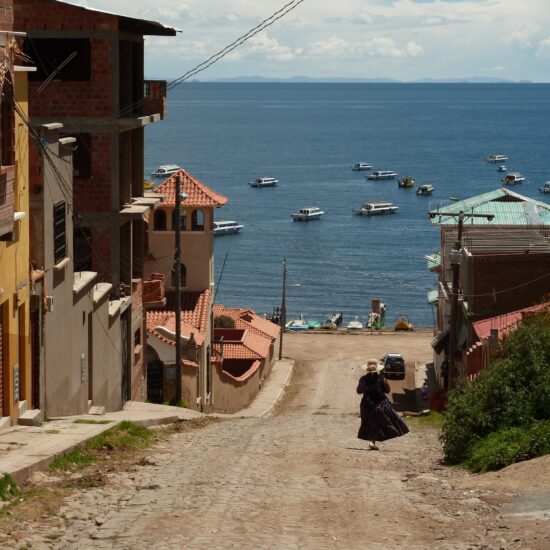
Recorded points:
(283, 311)
(455, 257)
(176, 271)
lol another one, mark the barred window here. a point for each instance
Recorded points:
(59, 232)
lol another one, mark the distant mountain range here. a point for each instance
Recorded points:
(306, 79)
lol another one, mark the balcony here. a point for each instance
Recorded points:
(136, 112)
(154, 98)
(7, 205)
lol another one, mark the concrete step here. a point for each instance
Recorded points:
(5, 422)
(97, 410)
(22, 406)
(30, 418)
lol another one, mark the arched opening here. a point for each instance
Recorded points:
(183, 276)
(160, 220)
(197, 220)
(183, 220)
(155, 377)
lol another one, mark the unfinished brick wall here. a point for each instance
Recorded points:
(519, 280)
(6, 18)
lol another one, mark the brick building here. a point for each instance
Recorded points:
(503, 262)
(90, 80)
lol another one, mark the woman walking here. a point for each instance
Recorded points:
(379, 421)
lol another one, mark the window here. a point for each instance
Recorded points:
(82, 249)
(183, 220)
(197, 221)
(82, 157)
(59, 232)
(183, 276)
(137, 337)
(160, 220)
(73, 55)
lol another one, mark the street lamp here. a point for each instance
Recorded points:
(282, 320)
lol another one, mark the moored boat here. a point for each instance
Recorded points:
(148, 185)
(513, 178)
(406, 182)
(375, 208)
(502, 168)
(264, 182)
(403, 323)
(497, 158)
(226, 227)
(425, 189)
(382, 175)
(355, 324)
(307, 214)
(165, 170)
(361, 166)
(545, 188)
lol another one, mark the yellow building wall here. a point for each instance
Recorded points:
(15, 273)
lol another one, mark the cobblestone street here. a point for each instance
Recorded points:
(296, 479)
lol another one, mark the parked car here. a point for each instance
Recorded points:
(394, 365)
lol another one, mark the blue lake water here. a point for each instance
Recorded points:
(309, 136)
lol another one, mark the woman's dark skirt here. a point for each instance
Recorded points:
(380, 422)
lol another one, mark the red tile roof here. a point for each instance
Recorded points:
(247, 319)
(506, 323)
(195, 310)
(198, 194)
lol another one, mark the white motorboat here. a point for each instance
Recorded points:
(497, 158)
(502, 168)
(360, 166)
(307, 214)
(375, 208)
(355, 324)
(165, 170)
(227, 227)
(545, 188)
(425, 189)
(382, 175)
(264, 182)
(513, 178)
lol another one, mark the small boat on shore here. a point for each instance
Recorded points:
(264, 182)
(454, 199)
(376, 208)
(227, 227)
(513, 178)
(148, 185)
(497, 158)
(165, 170)
(355, 324)
(425, 190)
(406, 182)
(382, 175)
(307, 214)
(403, 323)
(361, 166)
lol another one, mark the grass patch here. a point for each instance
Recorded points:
(8, 488)
(123, 436)
(182, 403)
(53, 431)
(433, 419)
(90, 421)
(74, 460)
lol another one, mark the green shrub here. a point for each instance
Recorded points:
(224, 321)
(8, 488)
(513, 393)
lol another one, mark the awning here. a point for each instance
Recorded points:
(433, 297)
(440, 341)
(434, 261)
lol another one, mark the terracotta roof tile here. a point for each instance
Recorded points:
(198, 194)
(195, 308)
(246, 318)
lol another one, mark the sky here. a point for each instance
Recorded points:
(399, 39)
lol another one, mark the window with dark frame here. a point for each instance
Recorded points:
(73, 55)
(59, 232)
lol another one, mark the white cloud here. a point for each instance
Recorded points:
(544, 48)
(523, 36)
(270, 47)
(381, 46)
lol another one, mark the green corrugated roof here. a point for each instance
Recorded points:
(433, 297)
(521, 211)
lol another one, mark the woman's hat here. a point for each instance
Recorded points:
(372, 365)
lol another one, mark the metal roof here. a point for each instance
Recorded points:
(507, 207)
(131, 24)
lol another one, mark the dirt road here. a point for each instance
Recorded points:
(298, 479)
